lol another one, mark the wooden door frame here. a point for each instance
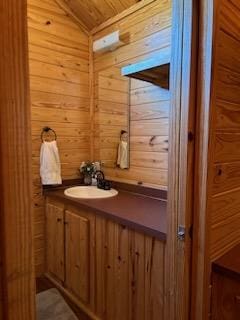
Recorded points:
(17, 271)
(195, 188)
(16, 237)
(181, 159)
(201, 263)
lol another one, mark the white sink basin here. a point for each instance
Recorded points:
(89, 192)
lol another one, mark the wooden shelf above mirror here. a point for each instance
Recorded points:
(152, 70)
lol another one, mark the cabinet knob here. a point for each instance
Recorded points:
(59, 220)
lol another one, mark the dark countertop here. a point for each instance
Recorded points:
(229, 264)
(142, 213)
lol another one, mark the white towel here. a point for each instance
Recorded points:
(50, 167)
(122, 160)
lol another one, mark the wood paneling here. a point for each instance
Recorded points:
(92, 13)
(79, 254)
(113, 272)
(149, 33)
(59, 83)
(111, 114)
(181, 155)
(55, 240)
(218, 219)
(226, 158)
(134, 264)
(16, 252)
(226, 298)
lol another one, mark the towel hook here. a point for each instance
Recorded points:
(47, 129)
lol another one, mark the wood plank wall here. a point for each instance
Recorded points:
(111, 113)
(16, 225)
(149, 125)
(217, 223)
(59, 83)
(126, 264)
(149, 34)
(120, 273)
(225, 193)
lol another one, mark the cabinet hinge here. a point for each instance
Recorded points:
(181, 233)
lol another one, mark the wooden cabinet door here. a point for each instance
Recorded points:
(79, 234)
(55, 240)
(129, 273)
(225, 298)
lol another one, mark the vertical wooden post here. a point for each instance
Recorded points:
(181, 159)
(173, 163)
(92, 96)
(15, 165)
(200, 263)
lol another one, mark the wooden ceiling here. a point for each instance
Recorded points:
(94, 12)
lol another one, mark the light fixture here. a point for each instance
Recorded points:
(108, 43)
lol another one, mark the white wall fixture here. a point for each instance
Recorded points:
(108, 43)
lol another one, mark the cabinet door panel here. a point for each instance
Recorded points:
(129, 273)
(55, 241)
(226, 298)
(78, 255)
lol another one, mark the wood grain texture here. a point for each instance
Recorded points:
(200, 305)
(218, 220)
(55, 240)
(16, 257)
(122, 269)
(149, 34)
(181, 153)
(92, 13)
(226, 86)
(60, 97)
(133, 263)
(64, 5)
(153, 71)
(134, 8)
(226, 298)
(111, 114)
(79, 250)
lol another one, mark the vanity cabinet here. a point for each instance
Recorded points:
(110, 270)
(79, 253)
(70, 243)
(55, 240)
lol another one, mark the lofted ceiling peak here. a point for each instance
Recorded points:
(92, 13)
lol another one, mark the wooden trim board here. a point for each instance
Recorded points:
(72, 297)
(17, 268)
(62, 4)
(91, 93)
(199, 308)
(122, 15)
(182, 122)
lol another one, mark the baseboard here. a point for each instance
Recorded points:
(72, 298)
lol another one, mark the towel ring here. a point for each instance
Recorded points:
(47, 129)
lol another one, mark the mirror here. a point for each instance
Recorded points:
(112, 118)
(131, 122)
